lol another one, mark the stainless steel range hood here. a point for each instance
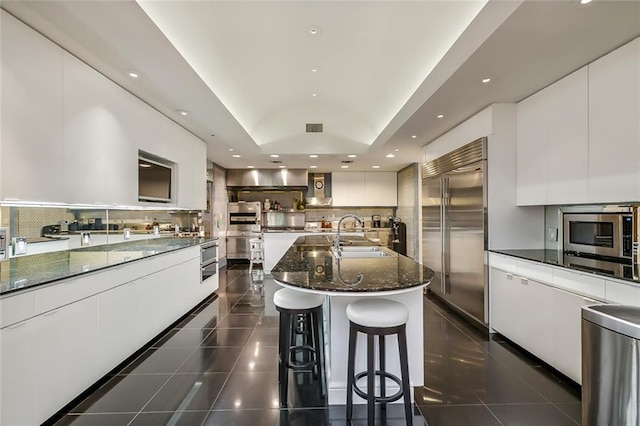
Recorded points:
(292, 179)
(319, 194)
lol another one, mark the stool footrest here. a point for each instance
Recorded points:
(297, 365)
(383, 375)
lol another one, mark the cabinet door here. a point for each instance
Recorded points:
(17, 365)
(614, 126)
(66, 353)
(31, 163)
(381, 189)
(567, 145)
(347, 189)
(626, 294)
(531, 160)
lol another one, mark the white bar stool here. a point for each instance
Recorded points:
(378, 317)
(256, 249)
(300, 315)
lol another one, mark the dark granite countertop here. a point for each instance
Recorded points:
(25, 272)
(309, 264)
(600, 267)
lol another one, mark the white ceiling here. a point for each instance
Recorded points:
(385, 69)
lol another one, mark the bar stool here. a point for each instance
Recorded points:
(300, 316)
(256, 249)
(378, 317)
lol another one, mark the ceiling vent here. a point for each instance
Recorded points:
(276, 161)
(314, 128)
(347, 161)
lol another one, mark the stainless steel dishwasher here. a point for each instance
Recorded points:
(610, 365)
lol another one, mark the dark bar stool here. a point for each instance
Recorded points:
(378, 317)
(300, 316)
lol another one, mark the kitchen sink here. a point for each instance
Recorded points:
(359, 252)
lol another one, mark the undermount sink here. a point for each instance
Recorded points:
(358, 252)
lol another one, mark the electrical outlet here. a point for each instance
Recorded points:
(552, 234)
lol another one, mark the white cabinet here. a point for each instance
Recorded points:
(623, 293)
(359, 189)
(614, 126)
(18, 396)
(66, 348)
(31, 115)
(552, 132)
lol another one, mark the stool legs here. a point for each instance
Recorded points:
(371, 380)
(350, 370)
(381, 347)
(283, 349)
(404, 370)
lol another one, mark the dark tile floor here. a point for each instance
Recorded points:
(218, 367)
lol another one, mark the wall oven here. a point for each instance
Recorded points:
(243, 224)
(605, 235)
(208, 260)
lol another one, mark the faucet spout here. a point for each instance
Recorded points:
(336, 239)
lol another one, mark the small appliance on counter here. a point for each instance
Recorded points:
(19, 246)
(50, 230)
(375, 221)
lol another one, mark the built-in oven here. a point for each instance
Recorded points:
(607, 235)
(208, 260)
(244, 224)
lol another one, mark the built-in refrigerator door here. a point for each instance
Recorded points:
(464, 240)
(432, 230)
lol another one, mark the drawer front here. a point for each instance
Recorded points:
(580, 283)
(626, 294)
(17, 308)
(502, 262)
(535, 271)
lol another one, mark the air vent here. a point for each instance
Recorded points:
(314, 128)
(276, 161)
(347, 161)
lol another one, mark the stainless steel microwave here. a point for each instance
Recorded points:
(600, 234)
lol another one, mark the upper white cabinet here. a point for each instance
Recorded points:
(375, 189)
(552, 133)
(71, 135)
(614, 126)
(579, 139)
(31, 135)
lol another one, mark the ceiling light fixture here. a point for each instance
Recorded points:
(313, 167)
(251, 167)
(274, 156)
(313, 156)
(236, 156)
(230, 149)
(585, 1)
(133, 75)
(182, 112)
(352, 156)
(314, 94)
(397, 149)
(390, 155)
(375, 167)
(282, 167)
(344, 167)
(486, 80)
(414, 136)
(440, 116)
(314, 69)
(314, 31)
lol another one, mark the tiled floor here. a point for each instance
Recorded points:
(218, 367)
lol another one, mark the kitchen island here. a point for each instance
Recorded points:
(68, 318)
(309, 265)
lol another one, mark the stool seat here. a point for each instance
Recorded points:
(372, 312)
(296, 300)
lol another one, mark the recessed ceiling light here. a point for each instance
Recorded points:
(314, 31)
(314, 94)
(397, 149)
(375, 167)
(313, 156)
(486, 80)
(133, 75)
(230, 149)
(352, 156)
(585, 1)
(282, 167)
(182, 112)
(274, 156)
(314, 69)
(440, 115)
(414, 136)
(250, 167)
(344, 167)
(313, 167)
(236, 156)
(390, 155)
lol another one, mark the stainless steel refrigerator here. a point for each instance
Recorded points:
(454, 228)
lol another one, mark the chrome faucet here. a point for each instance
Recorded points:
(336, 239)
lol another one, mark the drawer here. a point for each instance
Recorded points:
(502, 262)
(535, 271)
(65, 292)
(16, 308)
(626, 294)
(580, 283)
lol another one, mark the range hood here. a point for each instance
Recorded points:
(319, 194)
(291, 179)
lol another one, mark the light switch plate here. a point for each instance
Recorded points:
(552, 234)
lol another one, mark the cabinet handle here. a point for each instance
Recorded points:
(20, 324)
(524, 281)
(55, 311)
